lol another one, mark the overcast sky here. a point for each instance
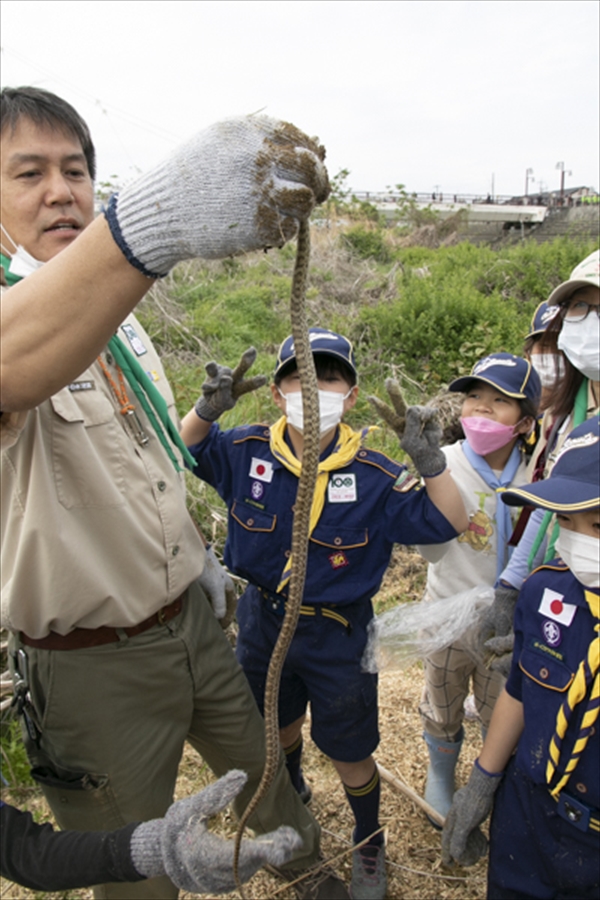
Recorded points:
(458, 96)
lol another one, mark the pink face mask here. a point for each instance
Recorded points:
(485, 435)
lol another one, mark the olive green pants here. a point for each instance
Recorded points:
(120, 713)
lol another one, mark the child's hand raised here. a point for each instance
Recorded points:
(224, 386)
(417, 428)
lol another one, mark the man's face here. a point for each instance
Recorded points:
(47, 193)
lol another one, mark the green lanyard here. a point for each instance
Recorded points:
(151, 400)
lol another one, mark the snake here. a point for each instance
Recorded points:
(300, 531)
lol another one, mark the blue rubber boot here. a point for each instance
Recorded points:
(443, 756)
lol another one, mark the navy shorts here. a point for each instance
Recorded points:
(322, 668)
(534, 853)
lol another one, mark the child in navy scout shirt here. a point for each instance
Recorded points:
(545, 828)
(364, 503)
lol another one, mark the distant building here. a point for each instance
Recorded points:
(577, 196)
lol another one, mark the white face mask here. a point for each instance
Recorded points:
(549, 366)
(22, 262)
(580, 342)
(331, 409)
(581, 552)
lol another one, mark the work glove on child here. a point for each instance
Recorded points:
(225, 386)
(240, 185)
(217, 584)
(417, 428)
(180, 845)
(462, 839)
(496, 636)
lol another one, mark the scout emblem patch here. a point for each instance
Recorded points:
(554, 607)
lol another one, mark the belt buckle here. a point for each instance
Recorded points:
(570, 809)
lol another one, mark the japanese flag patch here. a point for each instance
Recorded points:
(553, 606)
(261, 469)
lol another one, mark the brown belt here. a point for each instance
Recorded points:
(94, 637)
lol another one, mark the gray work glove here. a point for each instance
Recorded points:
(417, 428)
(462, 839)
(216, 584)
(240, 185)
(501, 650)
(224, 387)
(180, 845)
(496, 636)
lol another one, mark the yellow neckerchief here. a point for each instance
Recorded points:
(588, 672)
(348, 444)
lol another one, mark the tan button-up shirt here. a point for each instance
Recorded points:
(95, 529)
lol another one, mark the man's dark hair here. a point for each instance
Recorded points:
(46, 110)
(325, 365)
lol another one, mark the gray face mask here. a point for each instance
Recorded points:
(580, 342)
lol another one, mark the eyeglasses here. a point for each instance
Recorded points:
(580, 310)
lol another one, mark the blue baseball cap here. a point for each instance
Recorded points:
(574, 482)
(541, 319)
(322, 342)
(512, 375)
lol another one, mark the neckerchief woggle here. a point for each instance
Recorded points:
(150, 398)
(347, 446)
(504, 480)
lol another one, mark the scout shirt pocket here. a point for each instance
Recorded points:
(88, 448)
(252, 518)
(543, 666)
(336, 552)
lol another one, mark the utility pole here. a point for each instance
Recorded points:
(561, 166)
(528, 177)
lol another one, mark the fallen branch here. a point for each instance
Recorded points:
(404, 788)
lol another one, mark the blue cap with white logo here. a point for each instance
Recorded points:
(512, 375)
(322, 342)
(574, 482)
(541, 319)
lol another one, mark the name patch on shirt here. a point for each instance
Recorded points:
(76, 386)
(342, 488)
(261, 469)
(553, 606)
(134, 339)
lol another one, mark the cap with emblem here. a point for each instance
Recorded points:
(322, 342)
(512, 375)
(541, 319)
(584, 274)
(574, 482)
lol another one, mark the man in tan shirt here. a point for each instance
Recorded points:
(118, 657)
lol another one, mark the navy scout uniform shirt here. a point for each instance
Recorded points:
(553, 631)
(370, 504)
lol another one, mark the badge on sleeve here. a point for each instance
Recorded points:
(261, 469)
(553, 606)
(134, 339)
(342, 488)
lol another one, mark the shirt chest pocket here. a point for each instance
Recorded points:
(340, 538)
(89, 449)
(251, 519)
(546, 671)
